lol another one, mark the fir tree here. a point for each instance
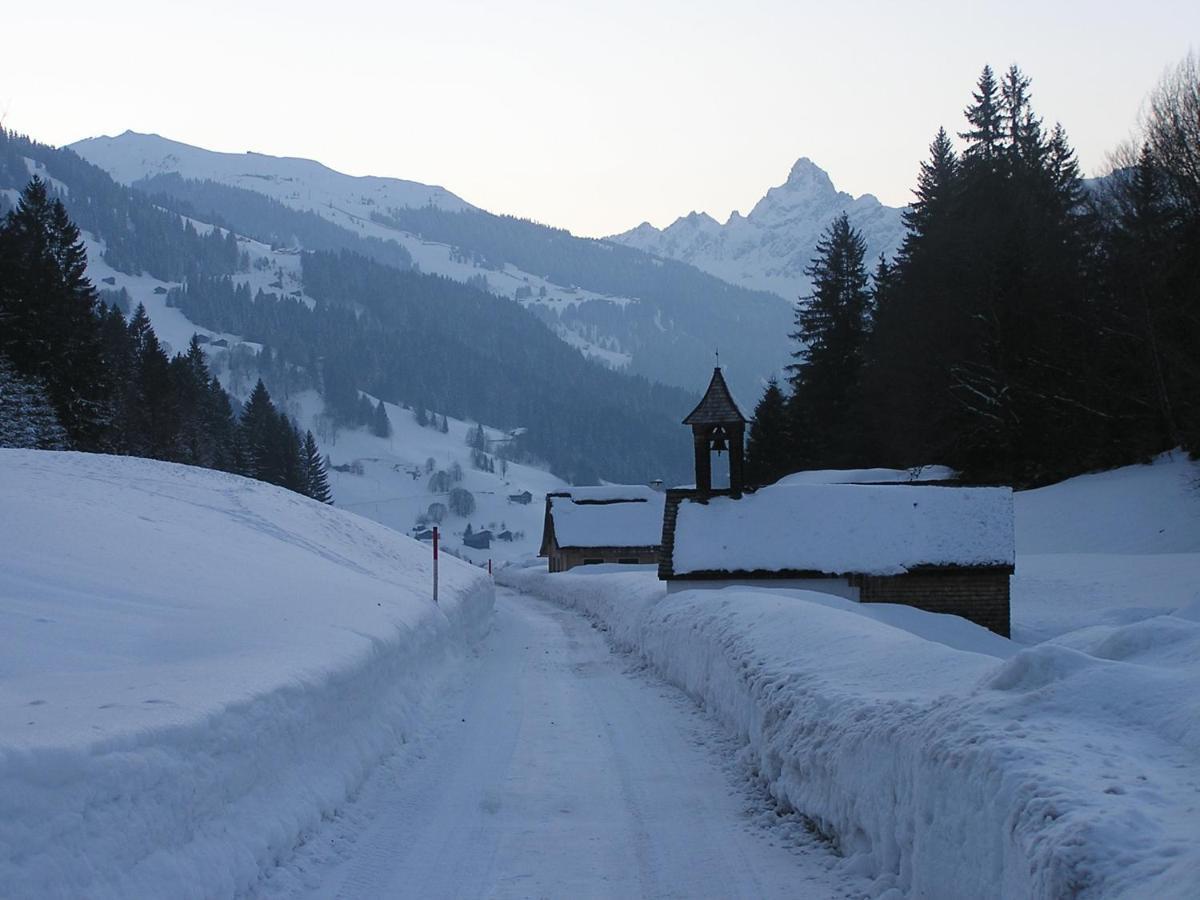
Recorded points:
(318, 477)
(27, 420)
(768, 451)
(381, 425)
(831, 328)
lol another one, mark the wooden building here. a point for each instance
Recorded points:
(610, 524)
(942, 548)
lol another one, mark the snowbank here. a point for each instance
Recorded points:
(846, 528)
(1110, 548)
(195, 668)
(1062, 770)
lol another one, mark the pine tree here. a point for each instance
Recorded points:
(27, 420)
(318, 478)
(985, 117)
(259, 425)
(767, 447)
(48, 308)
(381, 426)
(831, 327)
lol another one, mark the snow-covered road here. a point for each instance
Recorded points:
(558, 771)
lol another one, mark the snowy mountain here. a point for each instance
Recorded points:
(627, 309)
(770, 248)
(301, 183)
(358, 323)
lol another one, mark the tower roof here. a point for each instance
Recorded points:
(717, 406)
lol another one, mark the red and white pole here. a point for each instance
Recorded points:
(435, 563)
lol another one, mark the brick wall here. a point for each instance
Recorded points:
(981, 597)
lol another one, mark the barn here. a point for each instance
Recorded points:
(609, 524)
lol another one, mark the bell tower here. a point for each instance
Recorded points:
(718, 426)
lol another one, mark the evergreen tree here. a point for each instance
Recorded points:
(985, 118)
(768, 450)
(48, 310)
(831, 327)
(318, 478)
(27, 420)
(259, 427)
(381, 425)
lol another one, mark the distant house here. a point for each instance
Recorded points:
(524, 498)
(610, 524)
(160, 290)
(504, 536)
(892, 539)
(220, 342)
(478, 540)
(423, 534)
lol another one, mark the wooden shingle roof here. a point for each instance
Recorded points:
(717, 406)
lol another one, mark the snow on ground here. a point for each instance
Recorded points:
(195, 668)
(945, 761)
(559, 771)
(1110, 548)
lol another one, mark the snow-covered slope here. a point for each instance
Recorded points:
(349, 202)
(195, 668)
(770, 248)
(1107, 549)
(300, 183)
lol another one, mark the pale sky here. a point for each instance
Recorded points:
(593, 116)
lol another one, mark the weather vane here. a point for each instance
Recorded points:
(717, 354)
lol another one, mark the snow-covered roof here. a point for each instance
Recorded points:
(845, 528)
(632, 523)
(870, 476)
(609, 492)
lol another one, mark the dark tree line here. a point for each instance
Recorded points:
(75, 374)
(1029, 329)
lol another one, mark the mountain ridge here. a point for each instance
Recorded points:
(769, 248)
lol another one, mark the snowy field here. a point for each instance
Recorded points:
(196, 668)
(945, 761)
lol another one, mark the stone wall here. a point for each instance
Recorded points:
(982, 597)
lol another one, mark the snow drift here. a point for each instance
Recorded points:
(195, 668)
(1048, 772)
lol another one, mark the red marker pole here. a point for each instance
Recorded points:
(435, 563)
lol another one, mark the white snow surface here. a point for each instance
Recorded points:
(633, 523)
(1063, 770)
(195, 668)
(846, 528)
